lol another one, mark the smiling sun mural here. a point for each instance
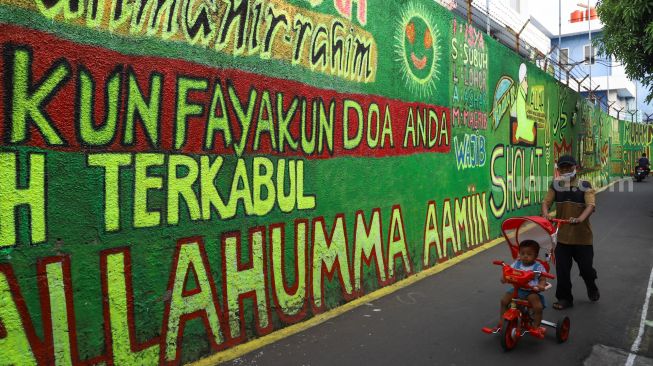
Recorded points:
(417, 50)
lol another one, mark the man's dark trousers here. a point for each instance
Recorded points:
(584, 256)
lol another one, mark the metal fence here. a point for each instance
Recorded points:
(502, 24)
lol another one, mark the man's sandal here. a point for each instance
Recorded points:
(593, 294)
(562, 304)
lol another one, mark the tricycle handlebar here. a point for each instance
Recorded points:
(547, 275)
(520, 277)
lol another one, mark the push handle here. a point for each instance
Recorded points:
(497, 262)
(560, 221)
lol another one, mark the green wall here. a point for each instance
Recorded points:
(177, 178)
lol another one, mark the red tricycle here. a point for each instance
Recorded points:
(518, 320)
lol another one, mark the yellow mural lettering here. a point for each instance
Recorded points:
(88, 132)
(186, 109)
(14, 195)
(470, 213)
(304, 202)
(262, 206)
(211, 199)
(444, 131)
(498, 181)
(234, 23)
(482, 226)
(319, 49)
(448, 233)
(433, 130)
(387, 128)
(461, 222)
(58, 314)
(191, 257)
(329, 252)
(424, 129)
(15, 347)
(290, 303)
(368, 242)
(217, 122)
(243, 281)
(326, 129)
(244, 118)
(182, 187)
(410, 129)
(301, 25)
(373, 114)
(397, 246)
(352, 142)
(432, 235)
(27, 101)
(240, 190)
(143, 183)
(284, 119)
(286, 202)
(276, 19)
(111, 163)
(272, 29)
(265, 121)
(517, 180)
(69, 9)
(147, 111)
(118, 297)
(308, 144)
(197, 25)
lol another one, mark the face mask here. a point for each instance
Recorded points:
(568, 175)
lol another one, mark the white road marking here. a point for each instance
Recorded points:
(635, 347)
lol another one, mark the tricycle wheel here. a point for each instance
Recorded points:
(509, 334)
(562, 329)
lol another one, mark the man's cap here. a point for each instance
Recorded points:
(566, 160)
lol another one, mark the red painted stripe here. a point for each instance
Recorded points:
(48, 50)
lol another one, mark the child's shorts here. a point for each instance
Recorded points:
(523, 294)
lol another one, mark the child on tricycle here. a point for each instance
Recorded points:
(528, 253)
(522, 305)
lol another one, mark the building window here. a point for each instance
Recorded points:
(564, 58)
(587, 58)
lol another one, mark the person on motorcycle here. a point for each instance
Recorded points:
(644, 163)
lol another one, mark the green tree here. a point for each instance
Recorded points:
(628, 35)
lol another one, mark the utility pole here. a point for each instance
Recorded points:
(560, 39)
(636, 101)
(608, 76)
(469, 11)
(589, 32)
(487, 18)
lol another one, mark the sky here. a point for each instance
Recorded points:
(546, 11)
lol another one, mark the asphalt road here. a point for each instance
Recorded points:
(437, 321)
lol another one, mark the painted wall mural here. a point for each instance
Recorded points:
(179, 177)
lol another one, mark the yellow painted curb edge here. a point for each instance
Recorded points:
(237, 351)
